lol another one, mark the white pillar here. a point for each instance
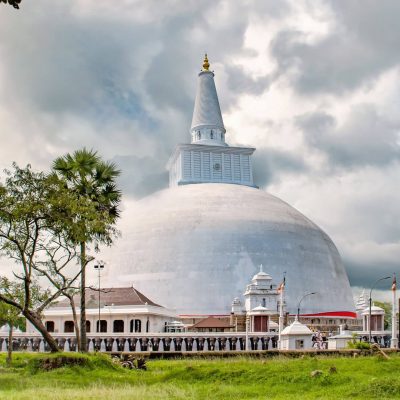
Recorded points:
(394, 341)
(247, 334)
(4, 346)
(66, 346)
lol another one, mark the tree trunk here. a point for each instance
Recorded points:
(10, 345)
(36, 321)
(83, 346)
(76, 323)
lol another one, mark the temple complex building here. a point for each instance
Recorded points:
(195, 249)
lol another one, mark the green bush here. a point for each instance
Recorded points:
(355, 344)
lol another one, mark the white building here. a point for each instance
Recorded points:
(122, 310)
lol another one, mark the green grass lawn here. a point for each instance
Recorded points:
(231, 378)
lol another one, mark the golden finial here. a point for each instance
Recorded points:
(206, 64)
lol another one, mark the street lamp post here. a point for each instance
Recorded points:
(298, 305)
(370, 304)
(99, 267)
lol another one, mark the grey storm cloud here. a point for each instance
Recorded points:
(365, 138)
(363, 45)
(141, 176)
(112, 74)
(363, 275)
(269, 164)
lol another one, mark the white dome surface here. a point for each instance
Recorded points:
(194, 248)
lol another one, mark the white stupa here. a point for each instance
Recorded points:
(193, 246)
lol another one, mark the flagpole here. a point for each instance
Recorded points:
(280, 326)
(394, 341)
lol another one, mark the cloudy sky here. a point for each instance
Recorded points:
(314, 85)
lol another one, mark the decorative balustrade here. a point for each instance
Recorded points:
(145, 342)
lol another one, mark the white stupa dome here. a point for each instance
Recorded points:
(194, 247)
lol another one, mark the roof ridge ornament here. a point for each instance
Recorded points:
(206, 64)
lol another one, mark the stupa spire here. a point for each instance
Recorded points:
(207, 124)
(208, 158)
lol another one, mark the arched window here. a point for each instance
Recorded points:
(103, 326)
(147, 326)
(69, 326)
(118, 325)
(264, 304)
(198, 135)
(50, 326)
(87, 326)
(211, 134)
(135, 325)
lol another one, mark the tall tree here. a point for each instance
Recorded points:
(93, 179)
(37, 219)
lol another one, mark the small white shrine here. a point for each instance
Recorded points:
(296, 336)
(340, 341)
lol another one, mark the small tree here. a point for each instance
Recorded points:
(39, 217)
(11, 315)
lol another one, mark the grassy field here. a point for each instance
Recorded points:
(233, 378)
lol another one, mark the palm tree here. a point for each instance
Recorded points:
(88, 175)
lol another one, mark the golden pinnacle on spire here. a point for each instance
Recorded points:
(206, 64)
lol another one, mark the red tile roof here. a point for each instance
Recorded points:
(127, 296)
(211, 322)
